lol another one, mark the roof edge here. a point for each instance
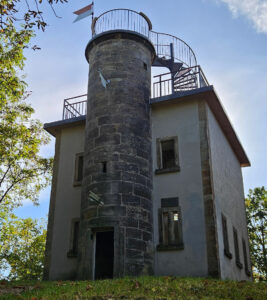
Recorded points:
(209, 95)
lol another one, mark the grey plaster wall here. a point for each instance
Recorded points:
(181, 120)
(67, 205)
(229, 199)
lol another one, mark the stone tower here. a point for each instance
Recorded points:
(117, 158)
(102, 223)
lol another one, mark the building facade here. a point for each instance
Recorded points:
(145, 182)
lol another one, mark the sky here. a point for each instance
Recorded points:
(229, 38)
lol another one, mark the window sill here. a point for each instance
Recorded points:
(167, 170)
(71, 254)
(170, 247)
(228, 254)
(77, 183)
(239, 265)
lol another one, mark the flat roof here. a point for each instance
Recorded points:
(207, 94)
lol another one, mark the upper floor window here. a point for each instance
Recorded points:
(225, 237)
(170, 225)
(167, 155)
(78, 172)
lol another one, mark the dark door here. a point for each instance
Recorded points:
(104, 254)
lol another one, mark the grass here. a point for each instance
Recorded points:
(161, 288)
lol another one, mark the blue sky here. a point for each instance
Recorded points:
(229, 38)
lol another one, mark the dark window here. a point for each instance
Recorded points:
(104, 167)
(75, 237)
(237, 255)
(245, 258)
(167, 155)
(73, 252)
(170, 225)
(80, 168)
(78, 174)
(225, 238)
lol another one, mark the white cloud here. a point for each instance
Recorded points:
(254, 10)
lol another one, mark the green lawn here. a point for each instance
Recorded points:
(136, 288)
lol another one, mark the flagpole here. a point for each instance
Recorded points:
(93, 11)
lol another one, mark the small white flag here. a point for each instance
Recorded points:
(84, 12)
(103, 80)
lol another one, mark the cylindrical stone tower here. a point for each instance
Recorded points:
(116, 231)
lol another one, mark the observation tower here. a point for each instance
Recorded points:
(141, 165)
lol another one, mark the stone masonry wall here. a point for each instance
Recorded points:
(117, 157)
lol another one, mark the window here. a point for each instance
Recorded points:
(245, 258)
(73, 252)
(237, 256)
(170, 225)
(78, 174)
(225, 238)
(167, 155)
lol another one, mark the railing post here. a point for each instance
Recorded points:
(160, 92)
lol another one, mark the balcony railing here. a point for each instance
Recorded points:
(74, 108)
(126, 19)
(184, 80)
(169, 49)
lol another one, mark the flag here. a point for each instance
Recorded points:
(103, 80)
(84, 12)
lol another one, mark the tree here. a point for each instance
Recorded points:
(23, 173)
(256, 206)
(22, 247)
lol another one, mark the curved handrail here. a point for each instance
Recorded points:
(127, 19)
(182, 52)
(122, 18)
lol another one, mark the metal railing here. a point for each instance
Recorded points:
(73, 108)
(181, 51)
(186, 79)
(131, 20)
(125, 19)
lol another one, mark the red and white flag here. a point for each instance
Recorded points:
(84, 12)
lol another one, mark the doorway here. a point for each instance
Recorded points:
(104, 254)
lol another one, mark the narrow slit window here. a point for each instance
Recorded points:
(78, 174)
(80, 168)
(75, 237)
(237, 255)
(225, 238)
(104, 167)
(245, 258)
(73, 252)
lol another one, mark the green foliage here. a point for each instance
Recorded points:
(23, 173)
(156, 288)
(256, 206)
(22, 247)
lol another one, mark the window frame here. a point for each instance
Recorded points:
(74, 239)
(165, 244)
(226, 237)
(76, 181)
(245, 255)
(237, 249)
(176, 167)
